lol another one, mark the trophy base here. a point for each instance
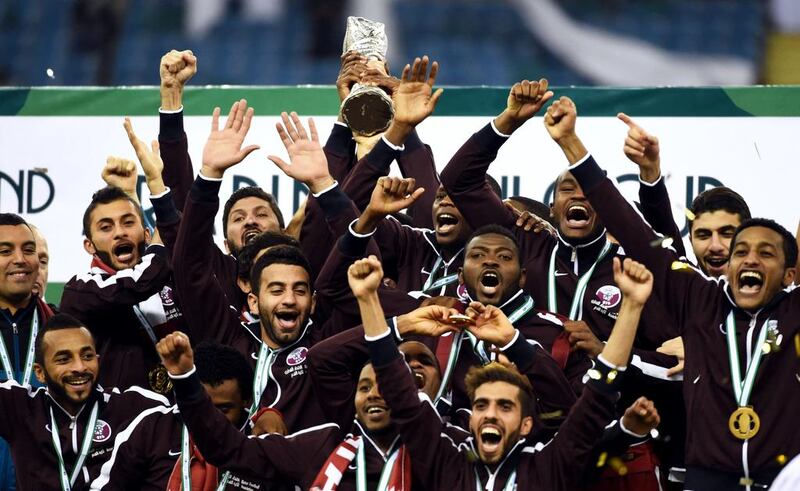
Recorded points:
(369, 112)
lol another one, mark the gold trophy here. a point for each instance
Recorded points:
(367, 110)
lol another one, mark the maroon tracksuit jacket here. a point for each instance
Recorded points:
(147, 452)
(701, 306)
(282, 462)
(26, 426)
(114, 306)
(464, 179)
(442, 465)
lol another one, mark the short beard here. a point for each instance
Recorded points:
(269, 331)
(58, 393)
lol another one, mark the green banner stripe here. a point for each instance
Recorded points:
(456, 101)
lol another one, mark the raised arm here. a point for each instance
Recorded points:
(414, 100)
(416, 421)
(176, 68)
(275, 456)
(675, 288)
(464, 177)
(586, 422)
(197, 261)
(643, 149)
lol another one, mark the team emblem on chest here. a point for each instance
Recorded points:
(297, 356)
(102, 431)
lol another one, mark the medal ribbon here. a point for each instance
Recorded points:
(186, 461)
(6, 359)
(576, 309)
(430, 284)
(455, 349)
(265, 359)
(145, 324)
(742, 389)
(68, 480)
(361, 468)
(517, 314)
(510, 484)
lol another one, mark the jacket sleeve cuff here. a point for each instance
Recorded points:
(339, 140)
(188, 388)
(382, 350)
(157, 250)
(382, 155)
(604, 377)
(490, 139)
(333, 201)
(519, 351)
(352, 245)
(412, 142)
(165, 209)
(652, 192)
(171, 126)
(587, 172)
(205, 189)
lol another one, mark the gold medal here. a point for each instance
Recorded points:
(744, 423)
(159, 380)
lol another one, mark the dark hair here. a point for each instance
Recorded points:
(55, 323)
(538, 208)
(493, 229)
(104, 196)
(217, 363)
(12, 219)
(500, 372)
(495, 186)
(789, 241)
(249, 192)
(720, 198)
(279, 254)
(257, 244)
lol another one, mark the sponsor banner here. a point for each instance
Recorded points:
(51, 164)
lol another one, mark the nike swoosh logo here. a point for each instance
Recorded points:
(173, 454)
(559, 273)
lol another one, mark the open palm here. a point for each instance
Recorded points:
(224, 147)
(414, 99)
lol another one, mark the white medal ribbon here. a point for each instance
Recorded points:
(266, 358)
(445, 280)
(361, 468)
(479, 346)
(68, 480)
(145, 324)
(6, 359)
(576, 309)
(186, 460)
(743, 389)
(511, 483)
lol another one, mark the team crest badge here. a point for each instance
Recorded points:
(297, 356)
(102, 431)
(166, 297)
(608, 296)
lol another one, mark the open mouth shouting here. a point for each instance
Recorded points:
(750, 282)
(578, 216)
(419, 379)
(249, 234)
(125, 253)
(287, 321)
(716, 265)
(446, 223)
(490, 440)
(489, 283)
